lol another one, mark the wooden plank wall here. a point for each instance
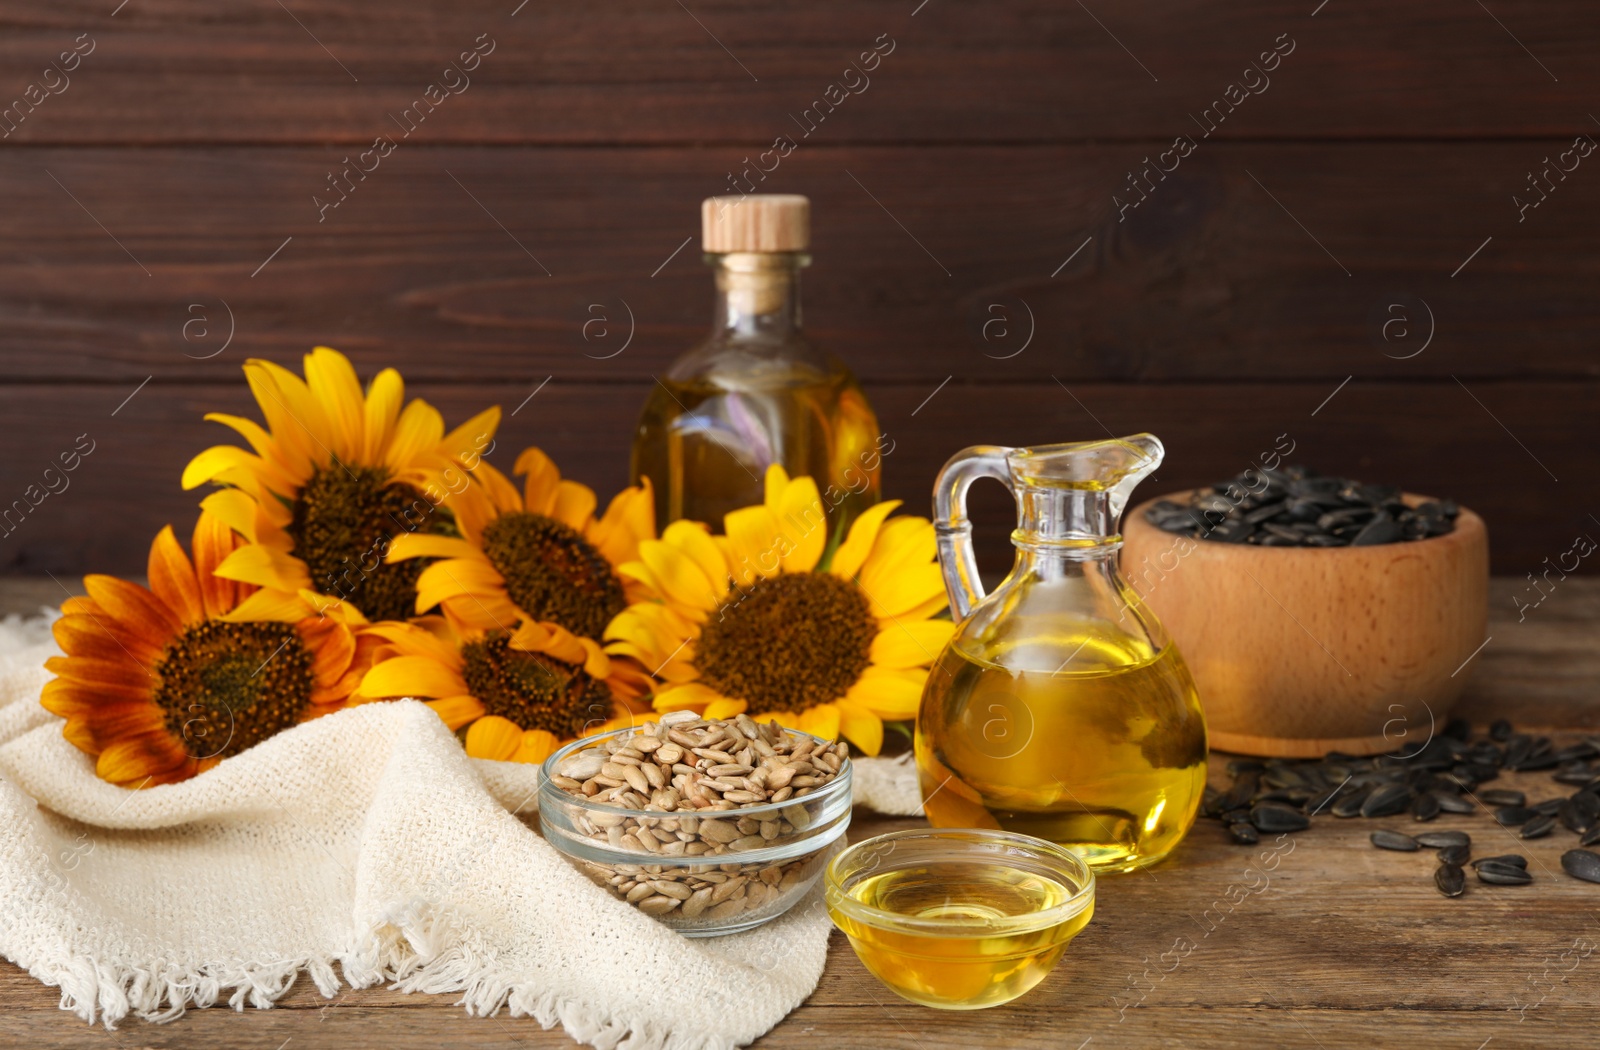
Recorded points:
(1339, 250)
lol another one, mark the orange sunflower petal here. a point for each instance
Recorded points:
(172, 579)
(134, 606)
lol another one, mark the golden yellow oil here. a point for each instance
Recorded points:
(705, 445)
(1105, 756)
(969, 967)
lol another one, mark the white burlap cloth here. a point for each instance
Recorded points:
(365, 839)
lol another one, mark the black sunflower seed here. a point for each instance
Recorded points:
(1549, 807)
(1590, 837)
(1518, 748)
(1515, 860)
(1272, 817)
(1500, 730)
(1236, 816)
(1455, 854)
(1502, 797)
(1425, 807)
(1453, 803)
(1574, 819)
(1350, 805)
(1395, 841)
(1244, 834)
(1581, 864)
(1503, 874)
(1538, 827)
(1441, 839)
(1386, 802)
(1450, 879)
(1509, 815)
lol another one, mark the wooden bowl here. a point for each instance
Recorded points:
(1297, 651)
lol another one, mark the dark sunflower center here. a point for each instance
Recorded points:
(341, 528)
(788, 643)
(227, 686)
(533, 690)
(552, 573)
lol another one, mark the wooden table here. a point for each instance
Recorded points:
(1341, 945)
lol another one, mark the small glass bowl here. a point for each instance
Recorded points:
(766, 879)
(959, 919)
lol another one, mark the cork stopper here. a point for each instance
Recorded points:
(760, 222)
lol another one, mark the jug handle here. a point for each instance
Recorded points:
(954, 530)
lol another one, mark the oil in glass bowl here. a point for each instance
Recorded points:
(959, 919)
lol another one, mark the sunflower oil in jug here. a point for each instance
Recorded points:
(1060, 708)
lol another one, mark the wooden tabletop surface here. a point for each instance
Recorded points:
(1337, 945)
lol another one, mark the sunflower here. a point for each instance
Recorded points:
(162, 683)
(535, 557)
(520, 694)
(752, 621)
(333, 477)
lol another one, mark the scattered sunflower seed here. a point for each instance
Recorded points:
(1450, 879)
(1503, 874)
(1440, 839)
(1538, 827)
(1244, 834)
(1455, 854)
(1514, 859)
(1395, 841)
(1581, 864)
(1387, 801)
(1272, 818)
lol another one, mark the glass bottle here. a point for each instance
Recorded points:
(756, 391)
(1060, 708)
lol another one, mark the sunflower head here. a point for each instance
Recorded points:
(535, 556)
(761, 620)
(517, 694)
(334, 476)
(163, 682)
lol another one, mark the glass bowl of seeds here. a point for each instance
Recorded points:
(710, 826)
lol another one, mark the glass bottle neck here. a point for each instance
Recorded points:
(1072, 524)
(758, 294)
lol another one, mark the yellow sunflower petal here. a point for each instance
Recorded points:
(723, 708)
(629, 519)
(457, 711)
(863, 533)
(822, 720)
(776, 480)
(693, 541)
(573, 505)
(421, 545)
(269, 606)
(235, 509)
(305, 415)
(418, 430)
(536, 746)
(682, 697)
(412, 676)
(455, 577)
(385, 394)
(906, 591)
(467, 443)
(755, 547)
(221, 462)
(904, 544)
(333, 383)
(295, 446)
(494, 737)
(914, 644)
(678, 575)
(539, 486)
(804, 523)
(265, 567)
(889, 694)
(860, 726)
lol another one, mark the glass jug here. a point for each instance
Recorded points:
(1060, 708)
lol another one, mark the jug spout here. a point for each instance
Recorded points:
(1069, 497)
(1074, 494)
